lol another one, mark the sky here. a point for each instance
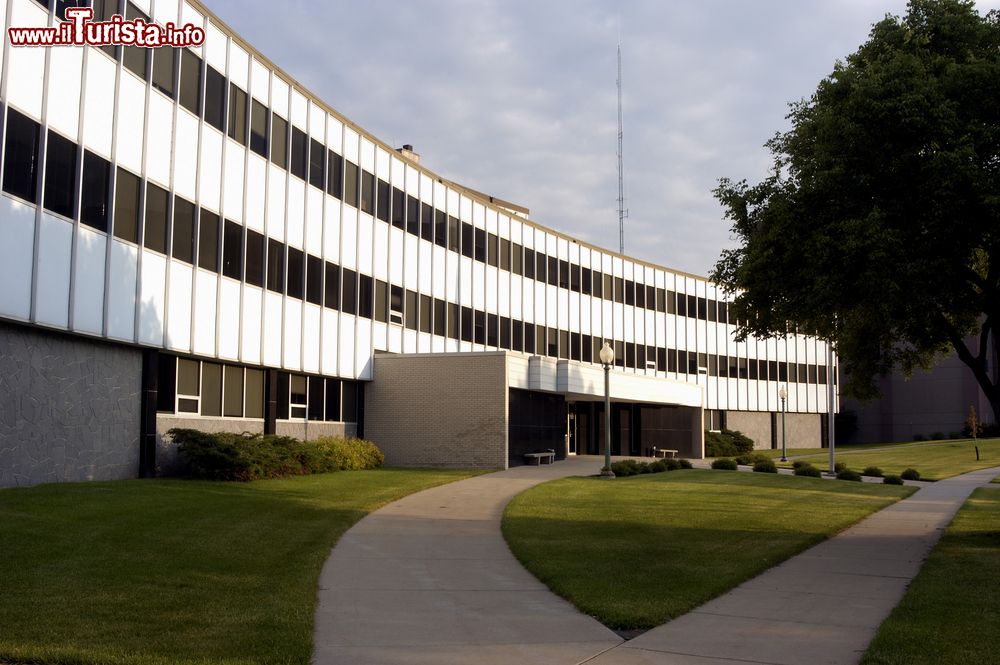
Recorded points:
(517, 98)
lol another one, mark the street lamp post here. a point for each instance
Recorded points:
(607, 359)
(783, 394)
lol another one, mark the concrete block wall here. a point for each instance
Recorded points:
(439, 410)
(69, 408)
(755, 424)
(802, 430)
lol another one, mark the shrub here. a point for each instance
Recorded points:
(847, 474)
(872, 471)
(937, 436)
(671, 464)
(742, 442)
(629, 467)
(892, 480)
(719, 445)
(659, 466)
(685, 464)
(808, 470)
(350, 454)
(839, 466)
(919, 437)
(246, 456)
(765, 465)
(910, 474)
(724, 463)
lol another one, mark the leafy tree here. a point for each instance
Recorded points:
(879, 225)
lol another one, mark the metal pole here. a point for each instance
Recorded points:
(784, 456)
(831, 405)
(606, 471)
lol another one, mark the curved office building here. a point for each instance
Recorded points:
(191, 238)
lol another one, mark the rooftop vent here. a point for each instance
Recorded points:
(407, 151)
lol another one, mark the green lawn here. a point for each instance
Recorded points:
(951, 612)
(635, 552)
(933, 459)
(170, 571)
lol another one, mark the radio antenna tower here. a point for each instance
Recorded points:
(622, 212)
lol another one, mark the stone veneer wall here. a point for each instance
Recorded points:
(69, 408)
(755, 424)
(803, 430)
(439, 410)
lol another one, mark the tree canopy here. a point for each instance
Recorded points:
(879, 225)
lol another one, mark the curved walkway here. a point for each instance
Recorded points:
(429, 579)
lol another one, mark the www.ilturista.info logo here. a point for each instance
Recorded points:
(78, 30)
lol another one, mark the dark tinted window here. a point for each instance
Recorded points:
(136, 58)
(314, 280)
(296, 273)
(412, 215)
(237, 114)
(516, 259)
(258, 128)
(20, 168)
(365, 296)
(183, 247)
(300, 156)
(94, 194)
(190, 96)
(398, 209)
(232, 250)
(453, 320)
(367, 192)
(60, 175)
(480, 244)
(426, 222)
(382, 203)
(255, 258)
(215, 98)
(348, 292)
(351, 184)
(492, 323)
(127, 206)
(491, 249)
(454, 234)
(317, 164)
(381, 301)
(440, 307)
(425, 314)
(629, 292)
(529, 263)
(208, 241)
(165, 69)
(275, 266)
(440, 228)
(155, 235)
(332, 286)
(334, 174)
(279, 141)
(410, 310)
(468, 242)
(504, 254)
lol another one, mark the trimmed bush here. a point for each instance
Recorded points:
(937, 436)
(765, 465)
(246, 456)
(892, 480)
(799, 463)
(919, 437)
(872, 471)
(847, 474)
(685, 464)
(659, 466)
(628, 467)
(808, 470)
(839, 466)
(724, 463)
(742, 442)
(671, 464)
(910, 474)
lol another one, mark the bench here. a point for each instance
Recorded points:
(662, 452)
(549, 455)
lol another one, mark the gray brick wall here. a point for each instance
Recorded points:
(69, 408)
(439, 410)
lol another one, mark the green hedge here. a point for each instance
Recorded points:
(246, 456)
(631, 467)
(727, 443)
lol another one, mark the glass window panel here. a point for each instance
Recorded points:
(232, 250)
(136, 58)
(157, 229)
(215, 98)
(275, 266)
(127, 206)
(367, 193)
(334, 174)
(351, 184)
(94, 195)
(317, 164)
(332, 300)
(211, 389)
(348, 292)
(255, 258)
(233, 392)
(299, 160)
(237, 114)
(208, 241)
(258, 128)
(60, 175)
(164, 69)
(183, 247)
(279, 141)
(190, 88)
(365, 296)
(295, 284)
(314, 280)
(254, 394)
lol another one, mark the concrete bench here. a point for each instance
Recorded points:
(662, 452)
(549, 455)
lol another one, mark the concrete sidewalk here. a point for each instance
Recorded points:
(820, 607)
(429, 580)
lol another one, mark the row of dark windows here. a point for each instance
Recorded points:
(189, 386)
(199, 237)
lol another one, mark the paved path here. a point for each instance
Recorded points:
(822, 606)
(429, 580)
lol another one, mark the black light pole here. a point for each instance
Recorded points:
(607, 359)
(783, 394)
